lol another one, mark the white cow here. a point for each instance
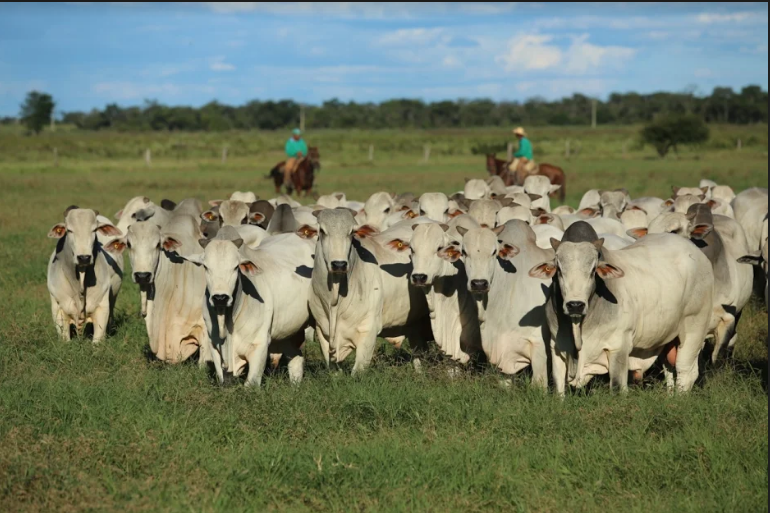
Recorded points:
(760, 258)
(435, 205)
(170, 287)
(544, 233)
(256, 302)
(510, 305)
(750, 207)
(453, 315)
(244, 197)
(649, 205)
(541, 186)
(476, 189)
(127, 215)
(84, 277)
(376, 211)
(361, 289)
(616, 311)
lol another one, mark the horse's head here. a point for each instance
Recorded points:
(314, 156)
(492, 164)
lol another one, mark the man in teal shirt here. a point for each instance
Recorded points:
(522, 162)
(296, 150)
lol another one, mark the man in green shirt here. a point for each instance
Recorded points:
(296, 150)
(523, 164)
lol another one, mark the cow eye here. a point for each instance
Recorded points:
(463, 253)
(128, 244)
(387, 210)
(422, 212)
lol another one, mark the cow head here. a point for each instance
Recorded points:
(335, 240)
(578, 262)
(435, 206)
(430, 251)
(223, 264)
(144, 246)
(480, 251)
(79, 229)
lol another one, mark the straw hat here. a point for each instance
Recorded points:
(520, 131)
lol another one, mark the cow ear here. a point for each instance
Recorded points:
(555, 243)
(608, 271)
(555, 188)
(196, 259)
(306, 232)
(462, 231)
(248, 268)
(712, 204)
(508, 251)
(215, 203)
(204, 242)
(210, 216)
(109, 230)
(316, 213)
(467, 180)
(668, 204)
(398, 245)
(534, 197)
(449, 253)
(455, 213)
(705, 190)
(256, 217)
(71, 207)
(637, 233)
(701, 231)
(506, 202)
(675, 190)
(537, 212)
(118, 214)
(365, 231)
(599, 244)
(544, 271)
(589, 212)
(498, 230)
(701, 197)
(339, 196)
(117, 246)
(750, 259)
(444, 227)
(58, 231)
(409, 214)
(238, 243)
(543, 219)
(171, 244)
(639, 209)
(167, 204)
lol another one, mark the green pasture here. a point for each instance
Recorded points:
(86, 428)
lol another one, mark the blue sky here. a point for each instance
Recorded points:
(88, 55)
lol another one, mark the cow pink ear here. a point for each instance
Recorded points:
(701, 231)
(608, 271)
(398, 245)
(256, 217)
(171, 244)
(640, 209)
(118, 214)
(215, 203)
(409, 213)
(248, 268)
(109, 230)
(508, 251)
(58, 231)
(365, 231)
(668, 203)
(498, 230)
(117, 246)
(449, 253)
(544, 271)
(589, 212)
(209, 215)
(455, 213)
(637, 233)
(307, 232)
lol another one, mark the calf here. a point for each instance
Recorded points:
(84, 277)
(615, 311)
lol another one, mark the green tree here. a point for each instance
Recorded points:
(36, 111)
(669, 131)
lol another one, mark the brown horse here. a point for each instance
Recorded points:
(303, 176)
(555, 174)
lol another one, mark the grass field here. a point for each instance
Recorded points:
(104, 428)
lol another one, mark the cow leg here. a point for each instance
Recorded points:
(101, 318)
(257, 359)
(618, 363)
(539, 362)
(692, 338)
(60, 320)
(724, 333)
(323, 343)
(367, 342)
(216, 357)
(296, 365)
(204, 353)
(559, 372)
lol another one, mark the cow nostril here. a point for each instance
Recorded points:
(220, 299)
(420, 278)
(576, 307)
(479, 285)
(339, 266)
(84, 259)
(142, 277)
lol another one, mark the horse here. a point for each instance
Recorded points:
(555, 174)
(303, 176)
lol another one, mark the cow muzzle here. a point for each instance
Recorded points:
(479, 286)
(84, 260)
(339, 267)
(142, 278)
(420, 280)
(220, 300)
(575, 309)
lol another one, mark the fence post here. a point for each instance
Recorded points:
(509, 154)
(56, 157)
(739, 145)
(625, 150)
(147, 157)
(224, 154)
(371, 153)
(426, 155)
(566, 148)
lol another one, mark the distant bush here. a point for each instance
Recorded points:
(670, 131)
(36, 111)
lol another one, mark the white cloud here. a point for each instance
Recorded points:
(582, 56)
(115, 91)
(530, 52)
(219, 64)
(537, 52)
(412, 36)
(20, 88)
(487, 8)
(709, 18)
(755, 50)
(450, 61)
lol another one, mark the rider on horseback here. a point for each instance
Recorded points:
(296, 150)
(523, 164)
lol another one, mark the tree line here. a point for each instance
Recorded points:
(723, 105)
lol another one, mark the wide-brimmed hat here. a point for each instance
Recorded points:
(296, 131)
(519, 131)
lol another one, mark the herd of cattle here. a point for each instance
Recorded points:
(491, 272)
